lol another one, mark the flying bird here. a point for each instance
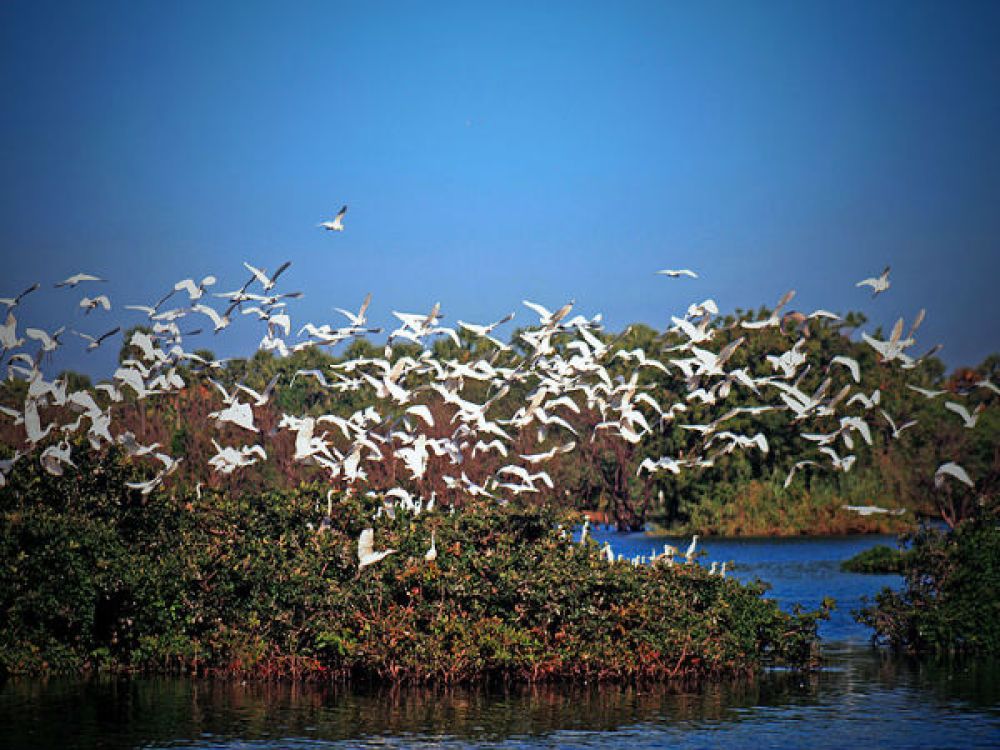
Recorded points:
(337, 225)
(951, 469)
(878, 283)
(79, 278)
(366, 549)
(673, 274)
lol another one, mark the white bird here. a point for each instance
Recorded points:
(878, 283)
(92, 303)
(897, 431)
(951, 469)
(548, 319)
(260, 275)
(366, 550)
(869, 510)
(337, 225)
(8, 333)
(850, 364)
(72, 281)
(969, 420)
(689, 555)
(194, 291)
(219, 321)
(53, 458)
(13, 302)
(236, 413)
(94, 342)
(260, 399)
(359, 319)
(431, 554)
(673, 274)
(925, 392)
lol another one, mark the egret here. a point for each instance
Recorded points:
(337, 225)
(878, 283)
(366, 549)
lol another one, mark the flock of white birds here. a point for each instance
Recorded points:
(559, 380)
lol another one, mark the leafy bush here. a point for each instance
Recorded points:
(96, 576)
(878, 559)
(950, 601)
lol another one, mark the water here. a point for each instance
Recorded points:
(862, 698)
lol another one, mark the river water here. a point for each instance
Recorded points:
(861, 698)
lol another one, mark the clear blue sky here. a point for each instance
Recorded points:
(494, 152)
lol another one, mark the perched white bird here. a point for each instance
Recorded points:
(431, 554)
(366, 550)
(337, 225)
(689, 555)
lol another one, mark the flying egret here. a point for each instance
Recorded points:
(366, 549)
(337, 225)
(878, 283)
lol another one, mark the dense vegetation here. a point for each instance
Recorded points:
(96, 575)
(878, 559)
(951, 598)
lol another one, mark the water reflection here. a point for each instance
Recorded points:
(862, 694)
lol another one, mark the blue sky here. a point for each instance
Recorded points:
(495, 152)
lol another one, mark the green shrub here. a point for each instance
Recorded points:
(951, 598)
(97, 576)
(878, 559)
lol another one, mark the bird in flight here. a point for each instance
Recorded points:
(878, 283)
(337, 225)
(75, 279)
(677, 273)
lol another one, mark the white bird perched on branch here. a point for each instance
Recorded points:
(432, 553)
(337, 225)
(366, 550)
(689, 555)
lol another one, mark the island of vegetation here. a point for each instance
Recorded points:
(96, 576)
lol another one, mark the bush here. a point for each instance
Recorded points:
(97, 576)
(950, 601)
(878, 559)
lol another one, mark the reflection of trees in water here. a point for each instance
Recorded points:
(122, 712)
